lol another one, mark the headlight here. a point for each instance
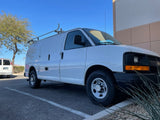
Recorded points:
(136, 61)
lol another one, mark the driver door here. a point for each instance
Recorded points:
(73, 58)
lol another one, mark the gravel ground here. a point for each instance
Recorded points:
(123, 115)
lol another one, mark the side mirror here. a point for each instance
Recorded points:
(78, 40)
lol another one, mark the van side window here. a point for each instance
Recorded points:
(6, 62)
(70, 43)
(0, 62)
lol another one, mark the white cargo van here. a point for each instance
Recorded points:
(5, 67)
(90, 58)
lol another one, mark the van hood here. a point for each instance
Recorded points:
(137, 50)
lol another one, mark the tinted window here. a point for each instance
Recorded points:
(6, 62)
(0, 62)
(70, 44)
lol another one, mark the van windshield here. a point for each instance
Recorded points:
(101, 38)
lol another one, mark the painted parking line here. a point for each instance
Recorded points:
(109, 110)
(7, 79)
(51, 103)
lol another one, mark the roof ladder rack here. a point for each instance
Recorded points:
(38, 37)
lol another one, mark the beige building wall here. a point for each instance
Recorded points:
(137, 23)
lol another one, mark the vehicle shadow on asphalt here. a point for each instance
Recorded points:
(5, 76)
(69, 88)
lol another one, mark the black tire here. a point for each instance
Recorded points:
(33, 81)
(97, 81)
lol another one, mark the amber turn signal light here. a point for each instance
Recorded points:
(138, 68)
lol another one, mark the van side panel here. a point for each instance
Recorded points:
(50, 55)
(32, 58)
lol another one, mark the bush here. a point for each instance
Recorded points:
(18, 69)
(147, 97)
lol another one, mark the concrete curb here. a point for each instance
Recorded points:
(110, 110)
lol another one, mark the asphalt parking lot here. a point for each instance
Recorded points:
(53, 101)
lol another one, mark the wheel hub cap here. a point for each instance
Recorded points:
(99, 88)
(32, 79)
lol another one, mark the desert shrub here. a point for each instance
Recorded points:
(147, 97)
(18, 69)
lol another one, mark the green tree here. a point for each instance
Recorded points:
(14, 33)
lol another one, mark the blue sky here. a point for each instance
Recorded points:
(44, 15)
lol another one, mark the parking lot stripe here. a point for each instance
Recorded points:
(109, 110)
(51, 102)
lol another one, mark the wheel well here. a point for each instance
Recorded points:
(99, 67)
(31, 68)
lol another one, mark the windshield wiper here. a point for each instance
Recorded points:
(107, 43)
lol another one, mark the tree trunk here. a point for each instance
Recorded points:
(14, 55)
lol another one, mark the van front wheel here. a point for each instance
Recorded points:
(100, 87)
(33, 81)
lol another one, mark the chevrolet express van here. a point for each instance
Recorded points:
(5, 67)
(91, 58)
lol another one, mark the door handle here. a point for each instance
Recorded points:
(62, 55)
(48, 57)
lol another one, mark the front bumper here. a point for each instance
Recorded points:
(128, 79)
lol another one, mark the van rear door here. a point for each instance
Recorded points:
(7, 67)
(1, 68)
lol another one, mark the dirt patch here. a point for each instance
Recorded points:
(124, 115)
